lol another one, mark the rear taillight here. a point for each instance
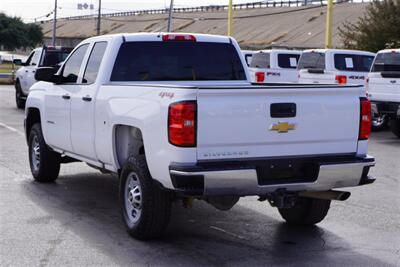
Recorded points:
(260, 77)
(182, 118)
(341, 79)
(179, 37)
(365, 119)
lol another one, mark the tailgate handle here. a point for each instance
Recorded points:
(283, 110)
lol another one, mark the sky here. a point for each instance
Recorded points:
(28, 10)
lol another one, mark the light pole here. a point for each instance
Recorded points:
(53, 39)
(328, 31)
(230, 17)
(171, 6)
(99, 18)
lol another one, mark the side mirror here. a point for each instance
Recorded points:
(17, 62)
(46, 74)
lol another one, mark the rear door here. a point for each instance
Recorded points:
(384, 79)
(253, 122)
(83, 105)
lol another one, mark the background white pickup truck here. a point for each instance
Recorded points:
(49, 56)
(384, 87)
(274, 66)
(176, 117)
(334, 66)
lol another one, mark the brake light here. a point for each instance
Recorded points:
(182, 126)
(260, 77)
(341, 79)
(365, 119)
(179, 37)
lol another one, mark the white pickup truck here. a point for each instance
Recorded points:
(274, 66)
(335, 66)
(384, 87)
(176, 117)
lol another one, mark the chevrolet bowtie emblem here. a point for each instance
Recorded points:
(282, 127)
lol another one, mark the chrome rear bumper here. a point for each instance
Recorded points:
(245, 180)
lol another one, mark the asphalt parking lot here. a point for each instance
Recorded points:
(76, 221)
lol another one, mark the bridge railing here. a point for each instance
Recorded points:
(215, 8)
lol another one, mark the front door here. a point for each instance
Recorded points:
(58, 102)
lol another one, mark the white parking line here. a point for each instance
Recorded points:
(11, 129)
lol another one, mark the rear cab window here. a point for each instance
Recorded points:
(177, 61)
(52, 57)
(387, 62)
(353, 62)
(288, 61)
(261, 60)
(312, 60)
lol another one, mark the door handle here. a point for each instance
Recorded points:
(66, 96)
(87, 98)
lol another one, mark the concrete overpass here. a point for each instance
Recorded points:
(301, 27)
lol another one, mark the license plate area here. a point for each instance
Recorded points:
(287, 171)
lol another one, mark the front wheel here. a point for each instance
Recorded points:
(145, 206)
(307, 211)
(44, 162)
(395, 127)
(18, 96)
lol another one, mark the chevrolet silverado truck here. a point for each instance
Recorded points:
(176, 117)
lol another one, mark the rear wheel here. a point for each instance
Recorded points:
(18, 96)
(378, 122)
(395, 127)
(307, 211)
(145, 206)
(44, 163)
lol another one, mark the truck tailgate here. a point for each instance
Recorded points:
(258, 122)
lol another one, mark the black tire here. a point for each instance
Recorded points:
(18, 96)
(395, 127)
(151, 217)
(44, 162)
(307, 211)
(379, 122)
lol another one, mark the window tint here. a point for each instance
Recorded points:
(52, 58)
(348, 62)
(169, 61)
(94, 61)
(386, 62)
(73, 65)
(36, 57)
(312, 60)
(288, 61)
(260, 60)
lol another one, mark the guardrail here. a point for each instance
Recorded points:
(214, 8)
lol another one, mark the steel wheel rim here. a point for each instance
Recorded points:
(133, 197)
(35, 153)
(378, 121)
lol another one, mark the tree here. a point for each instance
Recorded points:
(14, 33)
(378, 29)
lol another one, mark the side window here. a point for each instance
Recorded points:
(288, 61)
(72, 66)
(28, 61)
(94, 61)
(36, 58)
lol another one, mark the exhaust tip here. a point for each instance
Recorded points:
(343, 196)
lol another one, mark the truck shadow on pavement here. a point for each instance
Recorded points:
(87, 206)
